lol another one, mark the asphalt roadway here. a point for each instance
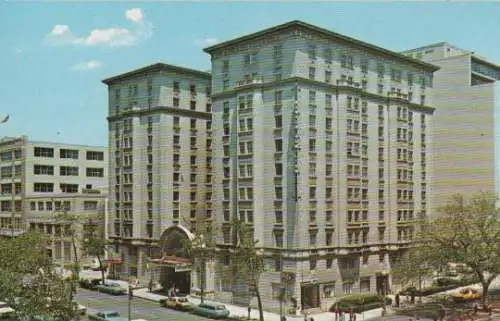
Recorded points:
(141, 309)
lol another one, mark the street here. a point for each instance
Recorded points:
(141, 309)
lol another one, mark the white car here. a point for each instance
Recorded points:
(80, 309)
(5, 309)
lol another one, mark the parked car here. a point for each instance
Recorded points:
(178, 303)
(80, 309)
(105, 316)
(467, 294)
(5, 310)
(89, 284)
(111, 288)
(208, 310)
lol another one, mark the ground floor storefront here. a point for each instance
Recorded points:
(300, 286)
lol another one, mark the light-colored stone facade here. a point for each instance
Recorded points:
(360, 129)
(45, 175)
(467, 100)
(160, 159)
(63, 216)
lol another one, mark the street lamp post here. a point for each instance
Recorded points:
(130, 295)
(200, 246)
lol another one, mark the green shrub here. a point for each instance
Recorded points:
(446, 282)
(361, 302)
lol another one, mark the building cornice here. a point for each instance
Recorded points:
(300, 29)
(484, 61)
(330, 87)
(145, 71)
(161, 110)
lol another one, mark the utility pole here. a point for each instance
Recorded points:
(130, 295)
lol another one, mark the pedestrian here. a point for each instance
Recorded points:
(412, 297)
(350, 313)
(337, 312)
(396, 300)
(150, 286)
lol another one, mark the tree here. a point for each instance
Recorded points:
(413, 268)
(94, 241)
(468, 232)
(72, 221)
(247, 260)
(28, 281)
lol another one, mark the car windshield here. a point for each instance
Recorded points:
(112, 314)
(3, 305)
(182, 300)
(220, 307)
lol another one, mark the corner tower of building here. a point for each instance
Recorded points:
(323, 147)
(160, 159)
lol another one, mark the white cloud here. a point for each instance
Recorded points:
(87, 65)
(134, 15)
(206, 42)
(112, 37)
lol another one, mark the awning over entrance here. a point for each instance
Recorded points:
(114, 258)
(114, 261)
(180, 264)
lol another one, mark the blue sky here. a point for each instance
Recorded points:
(53, 55)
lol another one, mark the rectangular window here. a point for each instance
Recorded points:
(95, 155)
(68, 188)
(68, 153)
(43, 169)
(44, 152)
(43, 187)
(95, 172)
(68, 171)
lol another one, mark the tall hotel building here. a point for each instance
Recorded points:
(467, 98)
(322, 144)
(160, 160)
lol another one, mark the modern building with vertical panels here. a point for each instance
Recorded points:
(322, 144)
(467, 98)
(45, 179)
(160, 164)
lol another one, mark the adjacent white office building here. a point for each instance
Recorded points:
(466, 126)
(40, 181)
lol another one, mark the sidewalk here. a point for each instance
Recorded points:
(143, 292)
(235, 310)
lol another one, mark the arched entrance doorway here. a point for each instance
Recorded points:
(175, 264)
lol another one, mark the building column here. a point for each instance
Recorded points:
(140, 263)
(210, 275)
(194, 276)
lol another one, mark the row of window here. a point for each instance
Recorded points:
(133, 90)
(60, 205)
(347, 61)
(49, 188)
(67, 153)
(67, 170)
